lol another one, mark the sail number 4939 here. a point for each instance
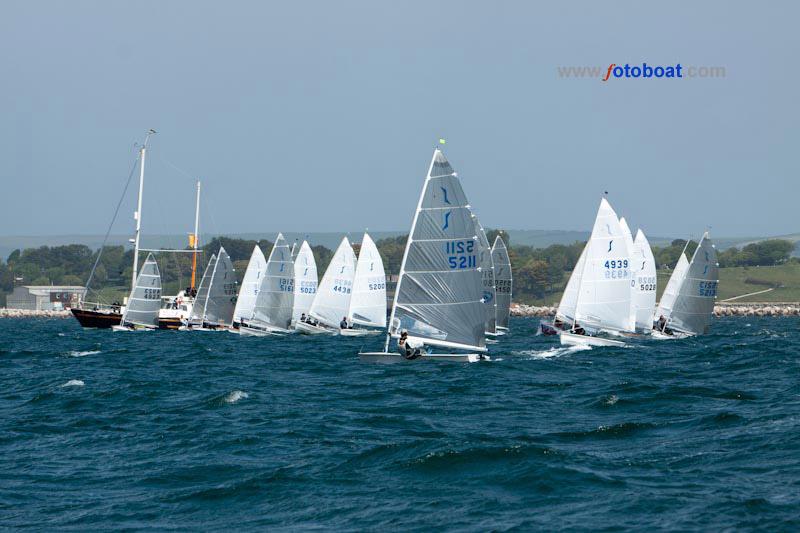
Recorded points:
(617, 269)
(461, 254)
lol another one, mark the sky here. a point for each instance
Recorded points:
(322, 116)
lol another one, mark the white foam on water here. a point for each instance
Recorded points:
(74, 383)
(556, 351)
(235, 396)
(611, 400)
(82, 354)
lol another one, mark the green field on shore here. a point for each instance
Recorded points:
(784, 280)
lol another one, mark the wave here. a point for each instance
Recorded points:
(556, 351)
(74, 383)
(75, 353)
(235, 396)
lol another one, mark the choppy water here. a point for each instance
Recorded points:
(204, 430)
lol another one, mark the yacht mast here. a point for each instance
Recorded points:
(138, 214)
(196, 236)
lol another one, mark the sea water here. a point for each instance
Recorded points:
(207, 430)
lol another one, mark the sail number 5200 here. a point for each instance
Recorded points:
(461, 254)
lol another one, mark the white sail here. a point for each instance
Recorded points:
(305, 280)
(569, 300)
(626, 230)
(694, 305)
(199, 306)
(275, 299)
(332, 301)
(439, 295)
(250, 286)
(368, 300)
(644, 276)
(503, 281)
(487, 277)
(604, 297)
(221, 292)
(671, 290)
(144, 301)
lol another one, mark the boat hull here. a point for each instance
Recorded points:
(356, 332)
(173, 323)
(573, 339)
(389, 357)
(96, 319)
(308, 329)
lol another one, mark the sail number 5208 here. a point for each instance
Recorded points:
(461, 254)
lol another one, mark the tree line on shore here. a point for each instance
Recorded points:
(537, 272)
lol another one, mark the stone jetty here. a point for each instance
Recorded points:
(27, 313)
(721, 309)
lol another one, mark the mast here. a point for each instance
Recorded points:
(138, 214)
(405, 252)
(196, 236)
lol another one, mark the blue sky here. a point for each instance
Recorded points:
(321, 116)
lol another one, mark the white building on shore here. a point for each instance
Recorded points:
(45, 297)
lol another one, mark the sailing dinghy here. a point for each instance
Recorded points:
(603, 300)
(487, 280)
(305, 280)
(502, 283)
(251, 283)
(438, 299)
(565, 313)
(144, 302)
(332, 301)
(644, 277)
(689, 312)
(272, 312)
(368, 299)
(216, 296)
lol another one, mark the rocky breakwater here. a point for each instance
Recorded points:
(27, 313)
(721, 309)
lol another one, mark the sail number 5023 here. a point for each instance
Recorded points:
(461, 254)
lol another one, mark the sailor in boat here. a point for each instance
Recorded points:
(344, 325)
(577, 329)
(303, 317)
(404, 346)
(661, 325)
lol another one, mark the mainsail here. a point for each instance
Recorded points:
(631, 250)
(305, 280)
(667, 301)
(145, 298)
(276, 296)
(487, 277)
(368, 300)
(335, 290)
(502, 281)
(604, 296)
(644, 277)
(200, 301)
(695, 302)
(221, 292)
(439, 295)
(251, 283)
(569, 300)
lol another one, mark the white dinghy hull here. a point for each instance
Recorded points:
(389, 357)
(357, 332)
(573, 339)
(308, 329)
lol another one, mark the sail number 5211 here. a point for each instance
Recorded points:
(461, 254)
